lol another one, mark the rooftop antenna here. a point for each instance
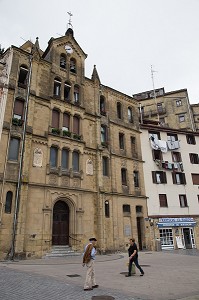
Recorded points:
(70, 21)
(154, 93)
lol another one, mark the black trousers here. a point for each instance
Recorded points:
(135, 260)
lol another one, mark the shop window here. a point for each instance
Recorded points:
(67, 88)
(105, 165)
(65, 159)
(176, 156)
(57, 87)
(75, 161)
(136, 179)
(166, 238)
(18, 109)
(194, 159)
(63, 61)
(73, 65)
(13, 153)
(130, 115)
(183, 200)
(190, 139)
(106, 208)
(195, 179)
(163, 200)
(121, 141)
(8, 203)
(178, 178)
(119, 110)
(126, 208)
(102, 106)
(124, 176)
(159, 177)
(23, 76)
(53, 156)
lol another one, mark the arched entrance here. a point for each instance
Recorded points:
(60, 234)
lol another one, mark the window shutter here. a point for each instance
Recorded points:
(174, 177)
(195, 178)
(154, 176)
(18, 107)
(183, 178)
(55, 119)
(164, 177)
(75, 125)
(66, 120)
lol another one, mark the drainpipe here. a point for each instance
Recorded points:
(17, 199)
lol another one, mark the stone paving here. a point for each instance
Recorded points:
(167, 277)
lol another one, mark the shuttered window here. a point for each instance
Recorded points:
(163, 200)
(195, 178)
(179, 178)
(18, 109)
(76, 124)
(66, 121)
(55, 119)
(159, 177)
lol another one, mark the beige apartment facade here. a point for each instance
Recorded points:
(70, 162)
(171, 109)
(171, 175)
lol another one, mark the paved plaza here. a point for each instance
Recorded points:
(168, 275)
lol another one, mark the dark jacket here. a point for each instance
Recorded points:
(131, 250)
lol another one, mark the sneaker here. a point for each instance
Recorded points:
(95, 286)
(88, 289)
(128, 275)
(142, 274)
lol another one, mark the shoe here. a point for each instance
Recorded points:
(128, 275)
(142, 274)
(89, 289)
(95, 286)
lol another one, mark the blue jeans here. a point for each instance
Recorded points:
(135, 260)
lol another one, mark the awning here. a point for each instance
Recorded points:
(176, 222)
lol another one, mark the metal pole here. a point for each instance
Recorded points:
(17, 199)
(154, 94)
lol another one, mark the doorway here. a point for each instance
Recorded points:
(60, 232)
(187, 238)
(139, 232)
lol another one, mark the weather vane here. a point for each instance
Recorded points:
(70, 21)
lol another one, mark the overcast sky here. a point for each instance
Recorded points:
(123, 38)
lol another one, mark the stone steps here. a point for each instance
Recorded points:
(61, 251)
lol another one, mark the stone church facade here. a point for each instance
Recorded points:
(70, 159)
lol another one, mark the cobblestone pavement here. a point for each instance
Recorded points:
(167, 277)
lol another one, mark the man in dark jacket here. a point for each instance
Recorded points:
(133, 257)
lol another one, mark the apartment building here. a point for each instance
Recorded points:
(171, 175)
(70, 156)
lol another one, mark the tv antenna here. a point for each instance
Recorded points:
(70, 21)
(154, 93)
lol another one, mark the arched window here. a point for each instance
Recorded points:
(76, 125)
(66, 122)
(63, 61)
(67, 88)
(8, 204)
(53, 156)
(73, 65)
(14, 149)
(55, 118)
(76, 94)
(103, 133)
(18, 109)
(130, 115)
(119, 110)
(57, 87)
(105, 165)
(65, 159)
(106, 207)
(23, 76)
(102, 106)
(76, 161)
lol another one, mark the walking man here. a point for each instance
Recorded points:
(88, 260)
(133, 257)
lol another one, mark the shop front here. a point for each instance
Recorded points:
(176, 233)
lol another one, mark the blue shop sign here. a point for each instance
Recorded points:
(176, 222)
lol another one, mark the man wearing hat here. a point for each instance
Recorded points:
(88, 260)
